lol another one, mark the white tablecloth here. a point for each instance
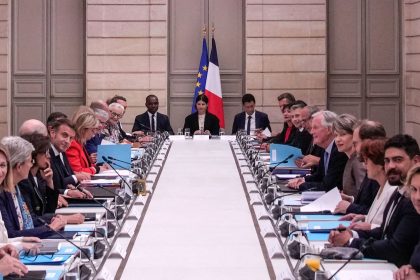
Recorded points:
(198, 225)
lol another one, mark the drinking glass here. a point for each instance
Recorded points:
(221, 131)
(187, 132)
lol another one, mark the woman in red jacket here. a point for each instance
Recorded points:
(86, 125)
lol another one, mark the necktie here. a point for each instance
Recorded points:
(326, 159)
(394, 200)
(248, 126)
(153, 123)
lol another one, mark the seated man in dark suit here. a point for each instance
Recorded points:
(398, 234)
(152, 120)
(61, 135)
(329, 173)
(250, 119)
(360, 204)
(302, 138)
(123, 101)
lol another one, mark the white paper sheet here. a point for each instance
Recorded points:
(267, 132)
(326, 202)
(366, 274)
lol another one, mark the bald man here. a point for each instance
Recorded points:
(32, 126)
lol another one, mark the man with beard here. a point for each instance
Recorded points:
(398, 234)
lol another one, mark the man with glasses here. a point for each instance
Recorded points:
(123, 101)
(152, 120)
(116, 112)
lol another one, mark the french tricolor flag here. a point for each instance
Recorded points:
(214, 87)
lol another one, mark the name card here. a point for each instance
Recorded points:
(201, 137)
(176, 137)
(274, 250)
(228, 137)
(119, 250)
(267, 230)
(105, 274)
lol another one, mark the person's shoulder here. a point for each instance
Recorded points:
(142, 115)
(160, 115)
(240, 114)
(260, 114)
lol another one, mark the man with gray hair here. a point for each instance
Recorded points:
(32, 126)
(331, 166)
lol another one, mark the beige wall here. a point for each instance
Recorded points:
(286, 51)
(4, 66)
(285, 41)
(127, 52)
(412, 67)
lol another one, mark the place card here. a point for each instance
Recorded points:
(201, 137)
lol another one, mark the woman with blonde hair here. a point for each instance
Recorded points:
(86, 125)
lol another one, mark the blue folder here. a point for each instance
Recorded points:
(328, 217)
(279, 153)
(121, 152)
(44, 259)
(327, 225)
(317, 236)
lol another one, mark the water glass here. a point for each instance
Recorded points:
(180, 131)
(71, 276)
(221, 131)
(321, 275)
(187, 132)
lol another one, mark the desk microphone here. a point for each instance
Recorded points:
(362, 248)
(83, 251)
(286, 160)
(119, 211)
(119, 175)
(115, 159)
(122, 199)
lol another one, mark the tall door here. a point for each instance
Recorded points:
(364, 69)
(187, 17)
(48, 59)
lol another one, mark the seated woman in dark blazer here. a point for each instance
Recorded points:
(202, 122)
(14, 210)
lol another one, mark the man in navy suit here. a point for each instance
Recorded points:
(329, 173)
(152, 120)
(250, 119)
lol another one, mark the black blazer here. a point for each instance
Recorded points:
(211, 123)
(142, 123)
(402, 234)
(39, 198)
(334, 177)
(302, 140)
(364, 198)
(279, 138)
(261, 121)
(62, 173)
(11, 221)
(415, 258)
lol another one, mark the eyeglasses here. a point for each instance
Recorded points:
(115, 115)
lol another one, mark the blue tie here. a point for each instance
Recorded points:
(326, 161)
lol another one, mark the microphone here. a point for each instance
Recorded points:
(278, 163)
(69, 241)
(115, 170)
(116, 216)
(115, 159)
(145, 126)
(362, 248)
(124, 201)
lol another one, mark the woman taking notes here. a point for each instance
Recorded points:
(202, 122)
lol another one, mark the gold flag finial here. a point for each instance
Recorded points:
(212, 28)
(204, 29)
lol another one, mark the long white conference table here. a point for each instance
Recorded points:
(198, 224)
